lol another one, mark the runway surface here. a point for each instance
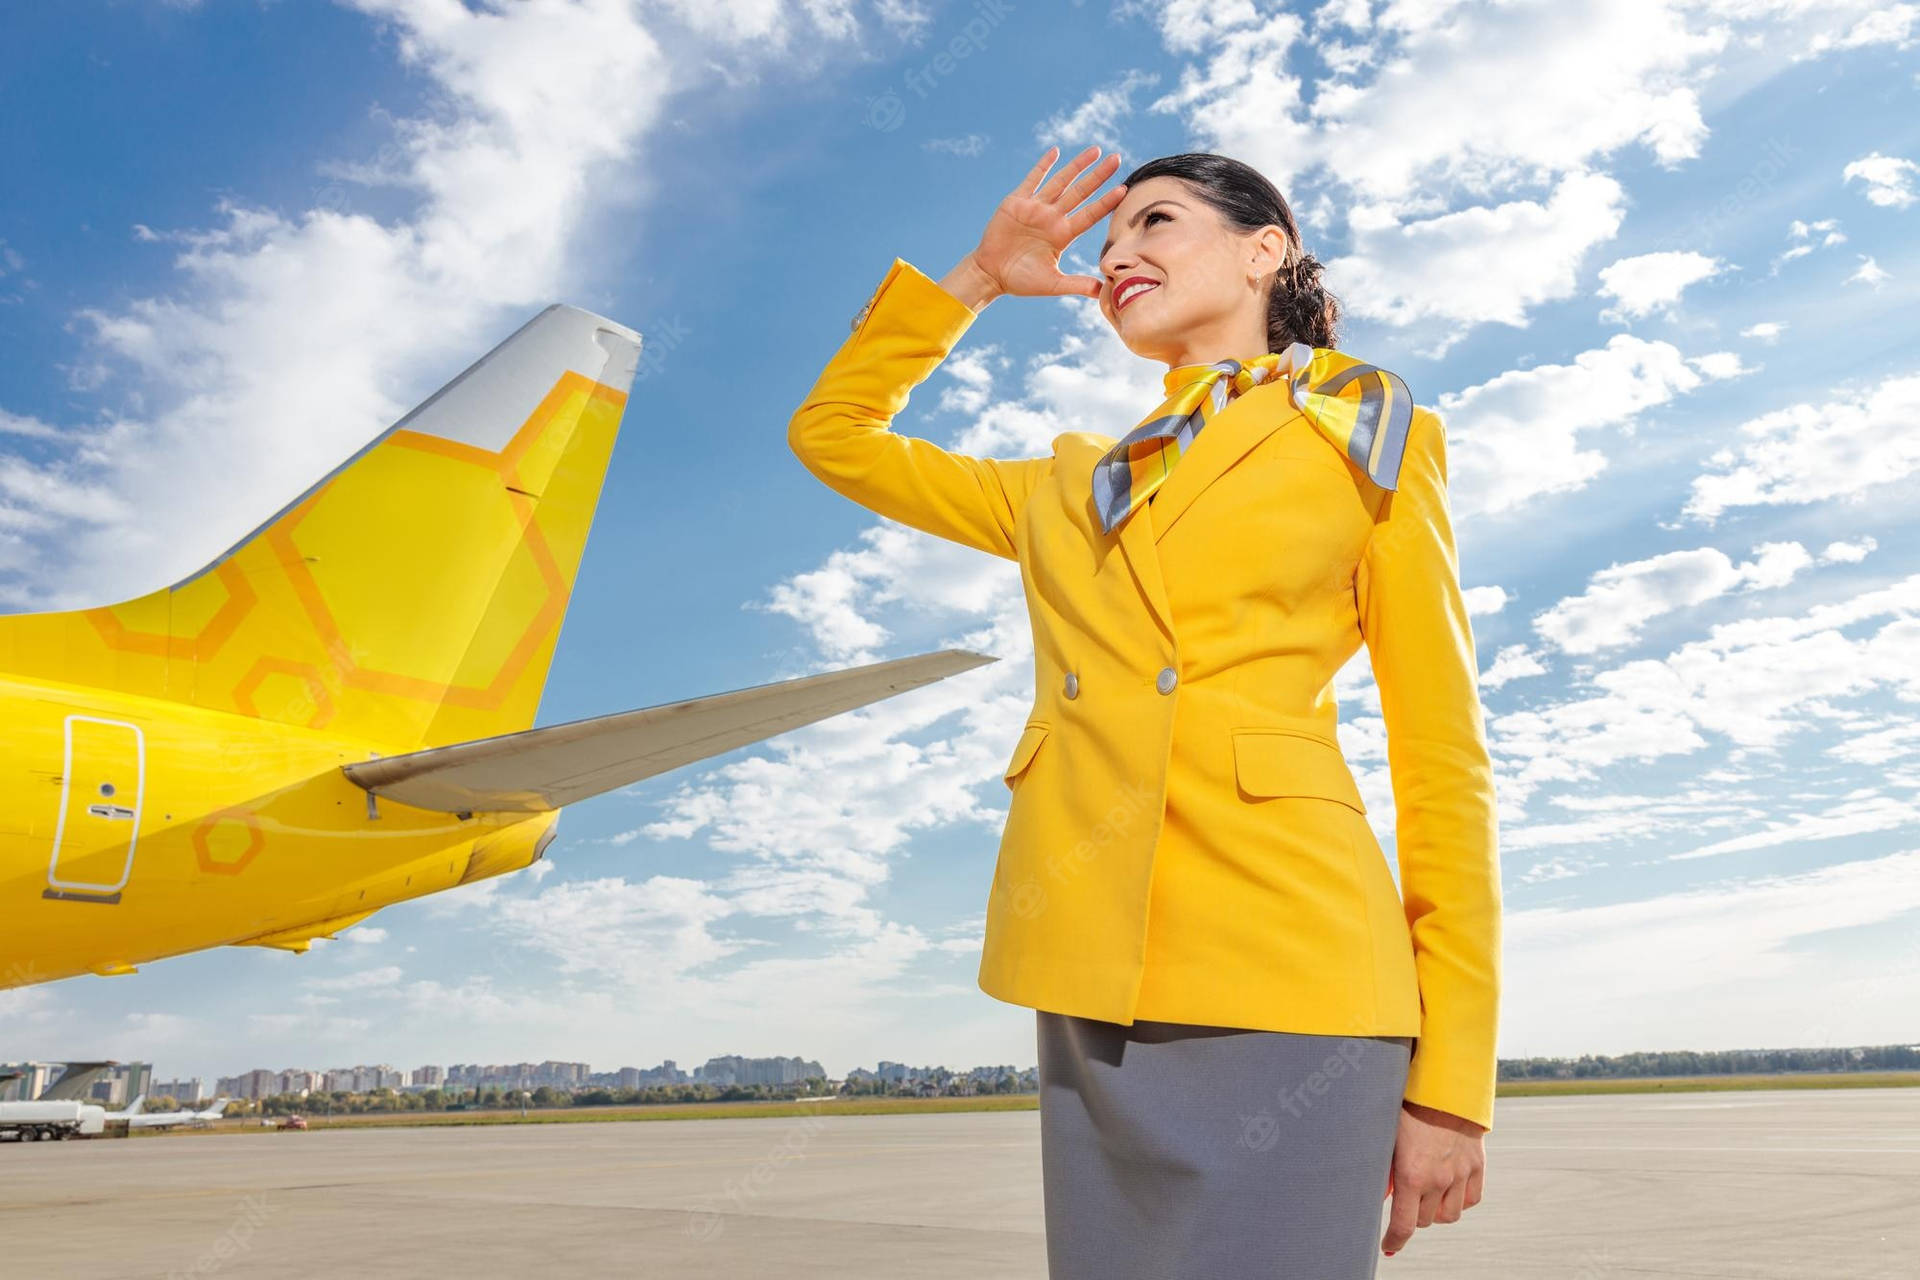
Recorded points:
(1779, 1185)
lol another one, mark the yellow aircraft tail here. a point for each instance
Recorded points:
(413, 596)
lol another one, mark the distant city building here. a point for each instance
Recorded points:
(122, 1084)
(251, 1085)
(515, 1077)
(298, 1082)
(30, 1079)
(185, 1092)
(734, 1069)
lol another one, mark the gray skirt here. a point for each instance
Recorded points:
(1173, 1150)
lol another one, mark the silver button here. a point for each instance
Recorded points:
(1167, 679)
(1073, 685)
(858, 318)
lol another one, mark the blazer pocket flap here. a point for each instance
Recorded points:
(1029, 743)
(1287, 762)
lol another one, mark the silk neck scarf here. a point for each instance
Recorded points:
(1363, 410)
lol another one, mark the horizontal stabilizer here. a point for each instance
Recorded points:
(541, 769)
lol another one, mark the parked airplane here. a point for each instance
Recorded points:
(171, 1119)
(332, 716)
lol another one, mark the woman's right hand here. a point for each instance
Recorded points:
(1019, 252)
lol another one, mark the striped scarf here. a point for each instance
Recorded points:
(1363, 410)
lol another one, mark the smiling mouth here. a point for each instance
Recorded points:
(1128, 295)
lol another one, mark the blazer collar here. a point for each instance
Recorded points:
(1229, 436)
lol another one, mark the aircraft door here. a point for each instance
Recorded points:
(101, 782)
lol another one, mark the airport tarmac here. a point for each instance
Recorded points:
(1776, 1185)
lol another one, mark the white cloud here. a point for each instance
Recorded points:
(1476, 265)
(365, 315)
(1489, 98)
(1097, 120)
(1753, 682)
(1806, 237)
(1621, 599)
(1892, 24)
(1765, 330)
(1512, 662)
(361, 980)
(1869, 272)
(1190, 26)
(1848, 552)
(1523, 434)
(1813, 452)
(1889, 179)
(1855, 815)
(1481, 601)
(1706, 965)
(1651, 282)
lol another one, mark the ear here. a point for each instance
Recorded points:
(1272, 248)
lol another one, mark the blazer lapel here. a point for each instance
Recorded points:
(1232, 433)
(1137, 541)
(1229, 436)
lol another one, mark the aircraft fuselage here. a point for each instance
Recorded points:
(133, 829)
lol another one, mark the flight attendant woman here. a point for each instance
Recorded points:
(1247, 1037)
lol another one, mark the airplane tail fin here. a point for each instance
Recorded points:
(412, 597)
(76, 1082)
(137, 1106)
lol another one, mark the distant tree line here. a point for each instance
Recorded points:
(1726, 1062)
(937, 1084)
(494, 1097)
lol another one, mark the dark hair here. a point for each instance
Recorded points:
(1299, 309)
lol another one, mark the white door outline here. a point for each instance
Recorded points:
(66, 797)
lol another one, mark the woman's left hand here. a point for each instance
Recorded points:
(1439, 1165)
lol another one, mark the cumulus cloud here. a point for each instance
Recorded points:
(1621, 599)
(1810, 452)
(1527, 433)
(1889, 180)
(1650, 282)
(503, 183)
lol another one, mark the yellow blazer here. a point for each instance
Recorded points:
(1185, 841)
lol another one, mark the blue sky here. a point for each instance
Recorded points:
(1654, 261)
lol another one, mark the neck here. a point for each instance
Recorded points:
(1209, 344)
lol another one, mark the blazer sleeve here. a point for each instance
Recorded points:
(842, 432)
(1414, 621)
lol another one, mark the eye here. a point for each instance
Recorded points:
(1148, 220)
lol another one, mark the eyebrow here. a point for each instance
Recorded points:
(1135, 219)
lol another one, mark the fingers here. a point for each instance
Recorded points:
(1452, 1202)
(1051, 189)
(1400, 1219)
(1071, 286)
(1090, 179)
(1097, 210)
(1032, 180)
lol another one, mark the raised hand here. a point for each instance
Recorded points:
(1019, 252)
